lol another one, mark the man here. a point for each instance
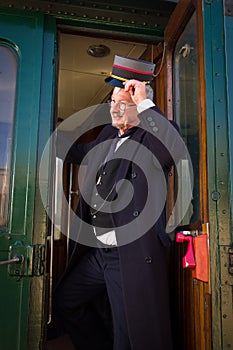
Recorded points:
(123, 221)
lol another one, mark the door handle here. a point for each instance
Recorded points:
(25, 259)
(188, 259)
(16, 259)
(197, 253)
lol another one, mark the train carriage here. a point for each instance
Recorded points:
(54, 56)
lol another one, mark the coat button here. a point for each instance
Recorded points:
(148, 259)
(133, 175)
(136, 213)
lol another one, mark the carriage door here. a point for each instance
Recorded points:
(22, 227)
(191, 294)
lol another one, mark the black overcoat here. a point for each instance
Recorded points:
(143, 261)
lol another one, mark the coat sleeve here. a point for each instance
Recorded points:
(69, 150)
(163, 137)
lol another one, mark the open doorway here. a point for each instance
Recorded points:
(83, 64)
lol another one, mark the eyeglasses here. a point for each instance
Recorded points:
(121, 105)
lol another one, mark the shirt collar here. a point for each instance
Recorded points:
(127, 133)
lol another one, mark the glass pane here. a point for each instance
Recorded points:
(8, 66)
(186, 107)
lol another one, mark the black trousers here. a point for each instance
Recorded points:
(97, 272)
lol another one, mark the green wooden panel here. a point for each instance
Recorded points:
(219, 181)
(24, 33)
(229, 75)
(38, 298)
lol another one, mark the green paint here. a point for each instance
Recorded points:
(24, 32)
(218, 171)
(229, 76)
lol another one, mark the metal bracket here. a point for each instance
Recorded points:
(230, 266)
(32, 259)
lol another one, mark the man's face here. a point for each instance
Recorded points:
(123, 110)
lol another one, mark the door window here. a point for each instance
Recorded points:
(186, 108)
(8, 71)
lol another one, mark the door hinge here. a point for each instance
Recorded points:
(31, 262)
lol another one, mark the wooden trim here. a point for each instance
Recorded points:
(154, 54)
(176, 25)
(204, 212)
(178, 21)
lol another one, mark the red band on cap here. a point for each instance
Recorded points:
(133, 70)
